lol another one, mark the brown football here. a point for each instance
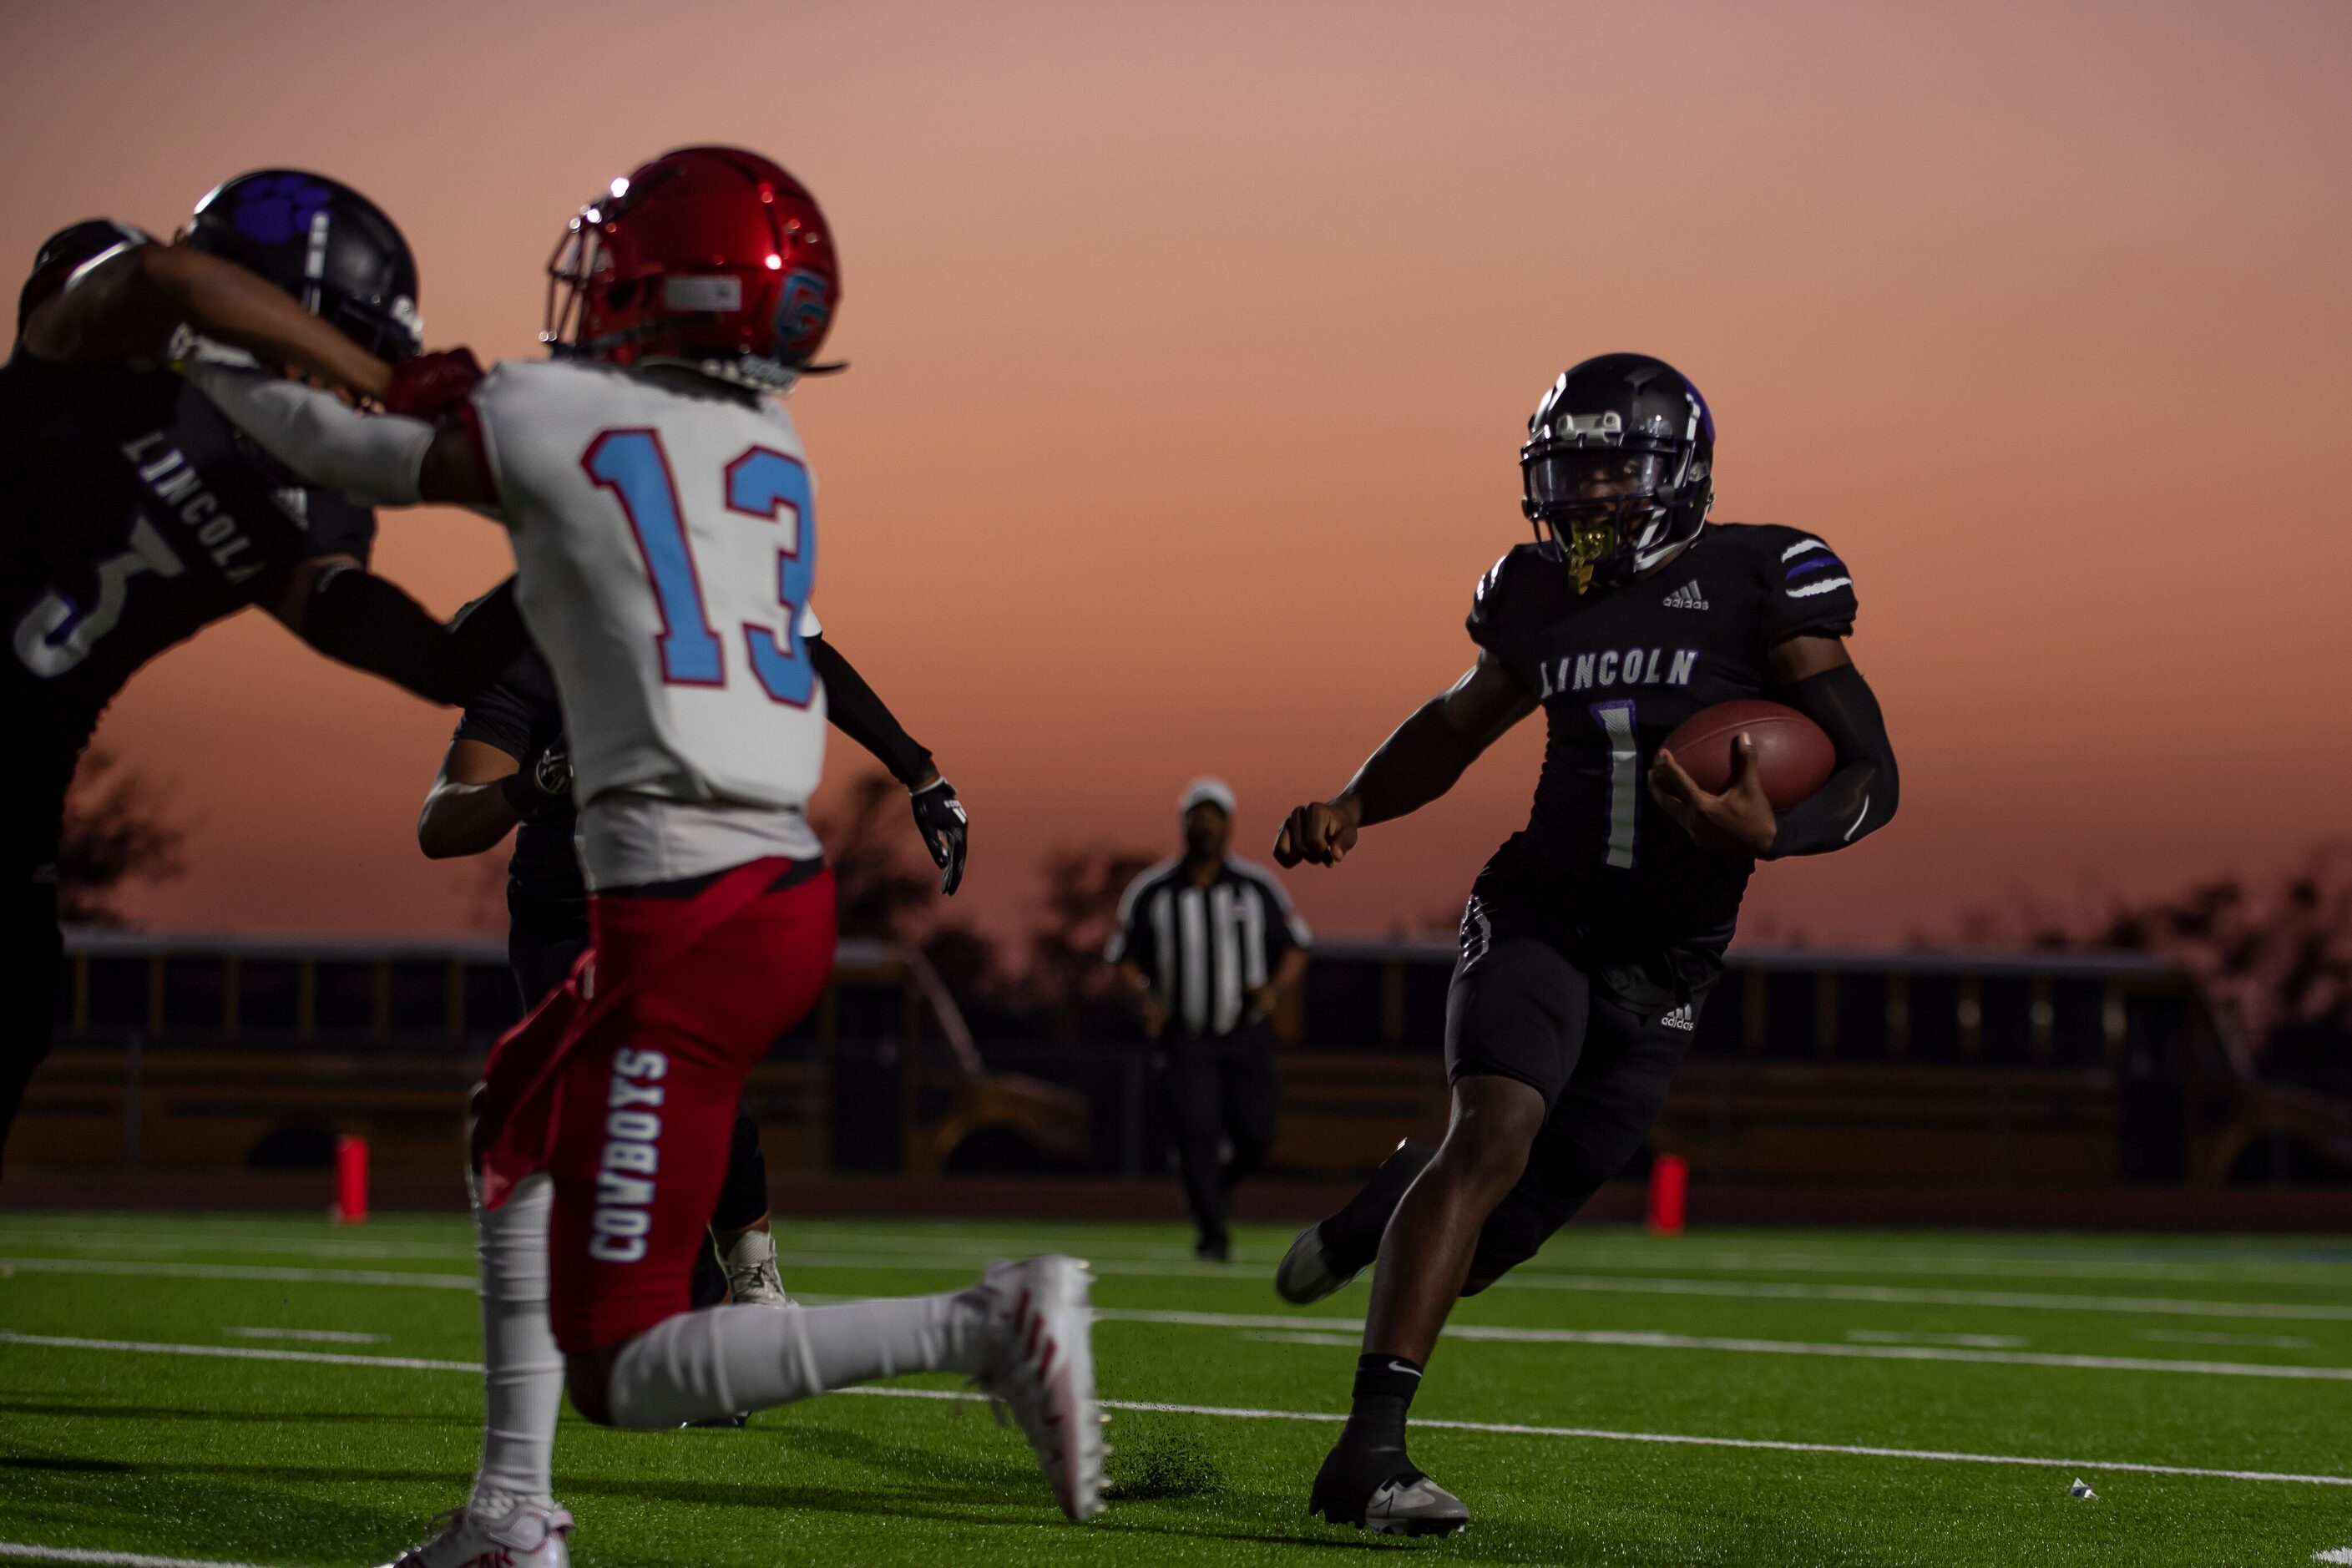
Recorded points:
(1793, 754)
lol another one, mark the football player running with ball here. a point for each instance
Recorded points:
(665, 541)
(1591, 938)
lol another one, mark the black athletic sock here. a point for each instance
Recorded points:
(1351, 1238)
(1385, 1385)
(1371, 1450)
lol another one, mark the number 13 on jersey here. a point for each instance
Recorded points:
(761, 484)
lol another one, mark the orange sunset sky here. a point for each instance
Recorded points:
(1193, 346)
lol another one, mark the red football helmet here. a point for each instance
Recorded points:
(710, 256)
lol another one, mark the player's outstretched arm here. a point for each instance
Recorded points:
(862, 715)
(355, 618)
(128, 304)
(1417, 764)
(378, 459)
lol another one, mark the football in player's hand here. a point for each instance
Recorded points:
(1791, 751)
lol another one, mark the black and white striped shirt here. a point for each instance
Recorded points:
(1205, 949)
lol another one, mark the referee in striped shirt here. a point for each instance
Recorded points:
(1204, 947)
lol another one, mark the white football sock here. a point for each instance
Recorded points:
(523, 1371)
(699, 1365)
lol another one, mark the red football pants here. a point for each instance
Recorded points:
(635, 1068)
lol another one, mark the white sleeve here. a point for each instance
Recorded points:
(374, 458)
(810, 626)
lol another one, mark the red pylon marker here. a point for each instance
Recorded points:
(350, 1180)
(1669, 1181)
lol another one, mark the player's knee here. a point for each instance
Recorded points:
(1484, 1167)
(588, 1379)
(1492, 1133)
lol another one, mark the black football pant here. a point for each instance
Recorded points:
(542, 958)
(1222, 1103)
(32, 956)
(1522, 1009)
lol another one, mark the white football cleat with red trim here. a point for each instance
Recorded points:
(1042, 1369)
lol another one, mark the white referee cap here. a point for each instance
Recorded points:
(1207, 790)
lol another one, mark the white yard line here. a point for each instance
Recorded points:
(1745, 1289)
(1505, 1429)
(1596, 1434)
(953, 1251)
(319, 1336)
(2181, 1337)
(953, 1248)
(2341, 1554)
(26, 1552)
(269, 1272)
(1909, 1296)
(1468, 1332)
(238, 1353)
(1328, 1342)
(2214, 1271)
(322, 1248)
(1636, 1340)
(1970, 1341)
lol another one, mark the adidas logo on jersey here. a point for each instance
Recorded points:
(1686, 598)
(1682, 1018)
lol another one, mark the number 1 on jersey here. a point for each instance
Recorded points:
(760, 483)
(632, 466)
(1616, 721)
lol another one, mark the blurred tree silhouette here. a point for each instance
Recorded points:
(2276, 959)
(873, 849)
(1067, 986)
(116, 831)
(888, 890)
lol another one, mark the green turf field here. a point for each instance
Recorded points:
(342, 1413)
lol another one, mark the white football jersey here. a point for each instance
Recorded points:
(665, 542)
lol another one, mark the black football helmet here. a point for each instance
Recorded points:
(326, 245)
(1618, 470)
(69, 248)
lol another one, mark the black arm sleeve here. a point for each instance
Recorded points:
(1859, 796)
(362, 620)
(865, 718)
(499, 716)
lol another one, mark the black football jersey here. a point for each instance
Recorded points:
(1616, 670)
(520, 715)
(131, 517)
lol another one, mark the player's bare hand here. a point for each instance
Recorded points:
(1320, 834)
(1739, 821)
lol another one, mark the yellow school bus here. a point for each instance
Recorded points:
(1823, 1068)
(195, 1053)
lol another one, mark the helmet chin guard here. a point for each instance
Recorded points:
(1617, 474)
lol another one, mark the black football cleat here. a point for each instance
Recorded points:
(1403, 1502)
(1326, 1255)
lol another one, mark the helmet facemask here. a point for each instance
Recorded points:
(1607, 503)
(705, 260)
